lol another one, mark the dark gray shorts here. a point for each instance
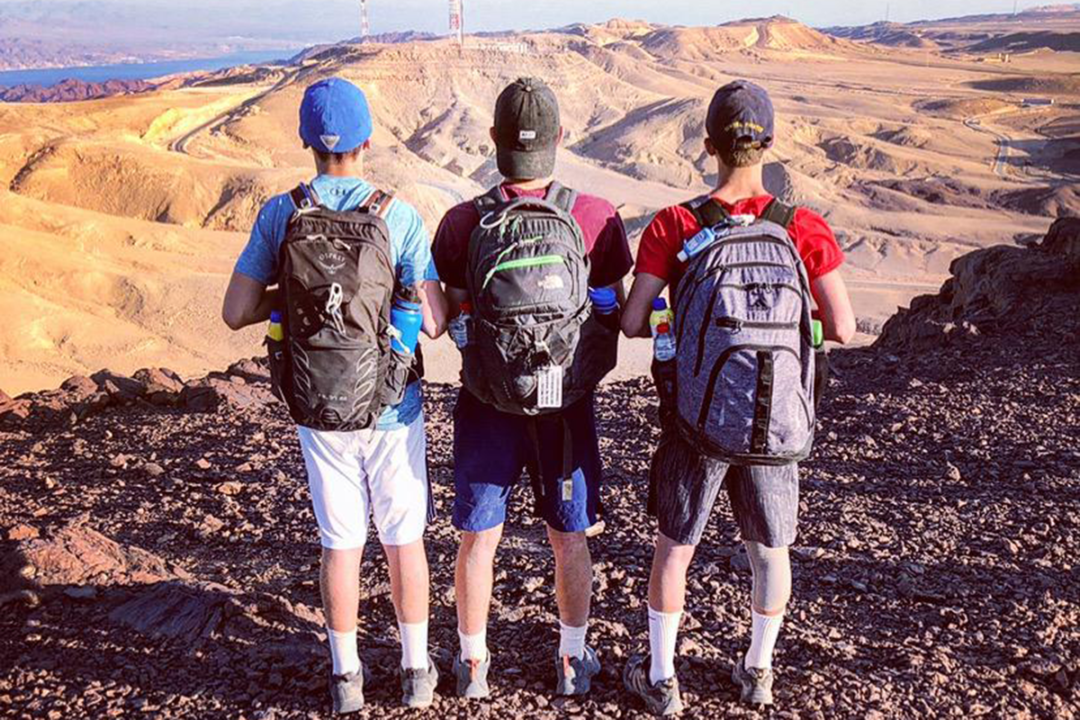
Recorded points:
(684, 485)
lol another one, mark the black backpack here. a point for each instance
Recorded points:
(535, 347)
(335, 369)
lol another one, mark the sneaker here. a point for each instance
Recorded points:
(755, 684)
(418, 686)
(662, 698)
(347, 692)
(472, 677)
(575, 675)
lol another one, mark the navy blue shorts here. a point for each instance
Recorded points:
(492, 449)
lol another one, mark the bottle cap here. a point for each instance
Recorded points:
(663, 329)
(275, 316)
(659, 304)
(466, 307)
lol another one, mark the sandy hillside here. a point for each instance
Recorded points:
(122, 217)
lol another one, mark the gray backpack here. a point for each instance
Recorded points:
(745, 341)
(534, 346)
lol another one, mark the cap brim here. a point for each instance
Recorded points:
(524, 165)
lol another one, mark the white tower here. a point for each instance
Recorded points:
(365, 25)
(457, 21)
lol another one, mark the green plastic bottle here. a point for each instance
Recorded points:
(819, 333)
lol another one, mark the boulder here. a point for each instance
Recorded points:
(119, 387)
(79, 386)
(213, 393)
(161, 386)
(1064, 239)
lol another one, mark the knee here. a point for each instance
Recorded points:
(481, 545)
(671, 556)
(568, 545)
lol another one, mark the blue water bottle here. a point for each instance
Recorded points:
(606, 307)
(406, 317)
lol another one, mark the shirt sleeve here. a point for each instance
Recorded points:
(660, 245)
(259, 258)
(414, 261)
(610, 256)
(451, 246)
(817, 244)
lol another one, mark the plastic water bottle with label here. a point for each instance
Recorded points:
(664, 370)
(459, 326)
(276, 331)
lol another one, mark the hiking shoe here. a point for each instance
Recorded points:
(471, 677)
(575, 675)
(347, 691)
(418, 686)
(755, 685)
(662, 698)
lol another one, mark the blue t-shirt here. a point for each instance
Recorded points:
(410, 253)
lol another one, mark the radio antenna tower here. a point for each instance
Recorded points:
(365, 24)
(457, 22)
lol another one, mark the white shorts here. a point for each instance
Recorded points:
(353, 475)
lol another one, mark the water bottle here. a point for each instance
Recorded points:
(276, 331)
(696, 244)
(819, 333)
(459, 326)
(664, 371)
(406, 317)
(606, 307)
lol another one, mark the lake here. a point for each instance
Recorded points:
(138, 71)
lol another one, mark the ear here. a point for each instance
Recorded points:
(366, 146)
(709, 147)
(493, 134)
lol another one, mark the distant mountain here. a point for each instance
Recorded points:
(73, 90)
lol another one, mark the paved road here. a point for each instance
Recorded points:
(1004, 144)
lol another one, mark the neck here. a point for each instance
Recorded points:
(734, 184)
(537, 184)
(353, 168)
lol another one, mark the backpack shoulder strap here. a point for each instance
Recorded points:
(490, 200)
(378, 203)
(780, 212)
(304, 197)
(561, 197)
(708, 212)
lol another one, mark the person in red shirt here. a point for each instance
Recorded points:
(765, 500)
(491, 447)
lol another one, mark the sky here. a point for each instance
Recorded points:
(327, 20)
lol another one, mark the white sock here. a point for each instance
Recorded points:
(763, 640)
(663, 632)
(343, 651)
(572, 640)
(473, 647)
(414, 645)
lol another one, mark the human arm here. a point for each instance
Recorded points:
(434, 305)
(635, 317)
(834, 307)
(247, 302)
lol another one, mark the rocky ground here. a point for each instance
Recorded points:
(160, 553)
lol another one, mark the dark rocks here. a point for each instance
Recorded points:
(78, 555)
(1064, 238)
(211, 394)
(22, 532)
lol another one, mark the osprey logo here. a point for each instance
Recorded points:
(330, 141)
(332, 262)
(551, 282)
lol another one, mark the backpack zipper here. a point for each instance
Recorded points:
(736, 325)
(520, 263)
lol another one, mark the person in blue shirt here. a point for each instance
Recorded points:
(353, 475)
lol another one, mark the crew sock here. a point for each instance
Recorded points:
(344, 652)
(414, 645)
(663, 633)
(474, 647)
(572, 640)
(766, 629)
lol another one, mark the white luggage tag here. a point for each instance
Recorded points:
(549, 387)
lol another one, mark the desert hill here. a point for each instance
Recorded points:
(155, 192)
(158, 556)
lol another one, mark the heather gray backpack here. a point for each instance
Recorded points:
(534, 347)
(335, 369)
(745, 341)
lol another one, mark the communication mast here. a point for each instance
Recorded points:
(457, 21)
(365, 25)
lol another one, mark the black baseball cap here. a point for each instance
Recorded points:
(527, 129)
(741, 110)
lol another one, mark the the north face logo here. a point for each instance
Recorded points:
(551, 282)
(330, 141)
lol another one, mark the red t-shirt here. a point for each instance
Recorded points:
(664, 238)
(603, 230)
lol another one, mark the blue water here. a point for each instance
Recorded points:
(137, 71)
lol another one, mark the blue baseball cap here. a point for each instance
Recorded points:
(334, 116)
(741, 111)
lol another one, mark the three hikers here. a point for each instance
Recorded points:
(534, 278)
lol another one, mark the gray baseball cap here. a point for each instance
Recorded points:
(527, 129)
